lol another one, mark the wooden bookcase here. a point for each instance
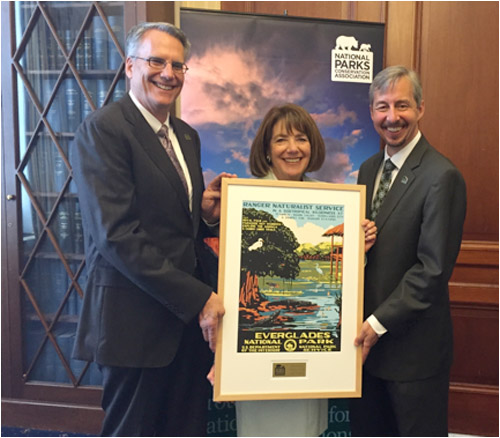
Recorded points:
(61, 61)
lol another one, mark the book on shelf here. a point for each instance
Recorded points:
(68, 38)
(119, 90)
(100, 43)
(56, 110)
(72, 187)
(63, 227)
(60, 171)
(114, 57)
(80, 56)
(51, 51)
(47, 86)
(45, 53)
(54, 282)
(43, 161)
(87, 50)
(102, 91)
(39, 283)
(91, 87)
(78, 227)
(59, 284)
(73, 106)
(74, 303)
(38, 229)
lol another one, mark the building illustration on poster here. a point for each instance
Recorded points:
(291, 277)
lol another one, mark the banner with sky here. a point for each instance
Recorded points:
(240, 66)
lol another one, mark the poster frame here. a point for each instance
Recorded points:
(318, 374)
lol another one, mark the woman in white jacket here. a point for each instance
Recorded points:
(287, 145)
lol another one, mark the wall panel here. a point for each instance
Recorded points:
(400, 32)
(459, 70)
(373, 12)
(470, 324)
(331, 10)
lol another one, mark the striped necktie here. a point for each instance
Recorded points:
(383, 187)
(167, 145)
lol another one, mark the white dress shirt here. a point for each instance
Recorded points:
(398, 159)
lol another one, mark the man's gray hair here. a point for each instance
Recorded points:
(136, 33)
(390, 75)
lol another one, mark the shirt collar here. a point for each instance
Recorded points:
(399, 158)
(152, 120)
(271, 175)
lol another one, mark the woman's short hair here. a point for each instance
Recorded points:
(135, 34)
(293, 117)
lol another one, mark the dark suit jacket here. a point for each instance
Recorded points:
(140, 239)
(406, 278)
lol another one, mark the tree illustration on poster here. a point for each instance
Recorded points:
(242, 65)
(267, 251)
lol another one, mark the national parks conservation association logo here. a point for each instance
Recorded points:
(351, 61)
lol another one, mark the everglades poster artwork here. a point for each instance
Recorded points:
(290, 296)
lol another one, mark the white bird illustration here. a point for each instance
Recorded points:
(256, 245)
(318, 269)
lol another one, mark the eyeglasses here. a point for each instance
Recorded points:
(160, 64)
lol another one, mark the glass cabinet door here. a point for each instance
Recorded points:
(69, 60)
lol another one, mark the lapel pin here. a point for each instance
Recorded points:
(404, 180)
(187, 136)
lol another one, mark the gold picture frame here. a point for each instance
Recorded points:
(291, 262)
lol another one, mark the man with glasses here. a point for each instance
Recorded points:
(146, 313)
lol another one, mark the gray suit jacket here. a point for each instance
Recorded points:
(406, 277)
(141, 240)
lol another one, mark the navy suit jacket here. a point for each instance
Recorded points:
(141, 240)
(406, 278)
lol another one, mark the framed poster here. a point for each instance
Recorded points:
(291, 263)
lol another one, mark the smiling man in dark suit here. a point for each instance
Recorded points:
(418, 201)
(146, 313)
